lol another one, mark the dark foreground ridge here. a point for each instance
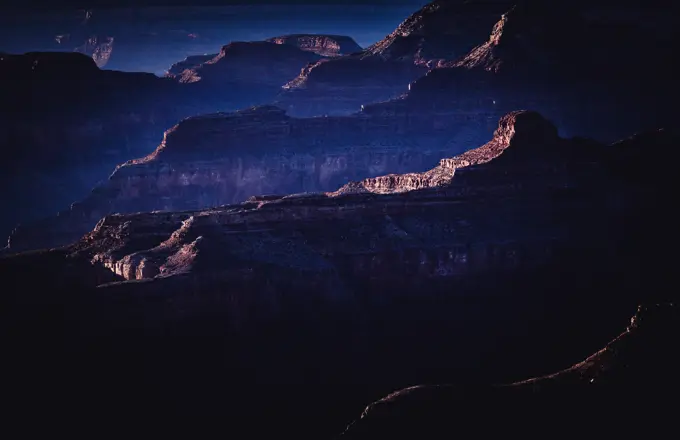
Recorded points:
(632, 376)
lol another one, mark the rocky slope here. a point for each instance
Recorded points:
(219, 159)
(324, 45)
(439, 32)
(628, 377)
(531, 256)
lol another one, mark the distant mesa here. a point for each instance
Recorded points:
(254, 62)
(324, 45)
(274, 61)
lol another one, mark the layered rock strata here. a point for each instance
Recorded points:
(225, 158)
(66, 123)
(532, 255)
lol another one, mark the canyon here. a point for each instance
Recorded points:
(90, 120)
(511, 265)
(446, 230)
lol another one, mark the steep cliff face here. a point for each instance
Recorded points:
(225, 158)
(441, 31)
(324, 45)
(521, 121)
(524, 163)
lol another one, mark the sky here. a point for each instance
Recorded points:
(93, 4)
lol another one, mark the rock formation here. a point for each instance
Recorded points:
(324, 45)
(570, 63)
(540, 129)
(65, 124)
(219, 159)
(439, 32)
(532, 255)
(532, 161)
(255, 62)
(190, 62)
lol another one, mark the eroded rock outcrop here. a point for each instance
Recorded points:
(324, 45)
(524, 162)
(512, 128)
